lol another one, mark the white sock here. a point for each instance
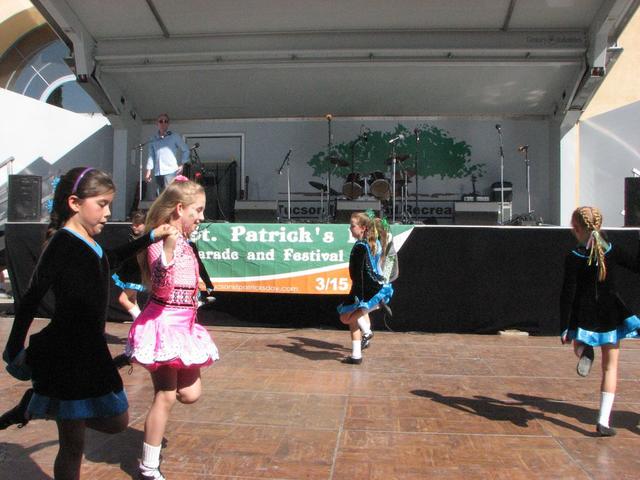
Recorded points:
(134, 311)
(365, 325)
(150, 456)
(606, 404)
(356, 351)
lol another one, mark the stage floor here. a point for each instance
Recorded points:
(280, 405)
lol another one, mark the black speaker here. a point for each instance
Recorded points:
(219, 182)
(632, 202)
(25, 198)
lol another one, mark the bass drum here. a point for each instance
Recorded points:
(353, 187)
(379, 186)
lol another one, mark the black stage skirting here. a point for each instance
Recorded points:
(452, 279)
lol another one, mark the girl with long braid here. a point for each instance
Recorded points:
(592, 312)
(368, 289)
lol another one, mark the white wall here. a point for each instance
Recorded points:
(268, 140)
(597, 156)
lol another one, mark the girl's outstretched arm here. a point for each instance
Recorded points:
(47, 269)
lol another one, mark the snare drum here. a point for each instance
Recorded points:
(379, 186)
(353, 187)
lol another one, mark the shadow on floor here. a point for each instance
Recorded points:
(516, 413)
(313, 349)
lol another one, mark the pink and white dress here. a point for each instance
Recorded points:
(166, 332)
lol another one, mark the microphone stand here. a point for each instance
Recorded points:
(393, 184)
(501, 176)
(286, 161)
(327, 216)
(139, 149)
(525, 150)
(417, 175)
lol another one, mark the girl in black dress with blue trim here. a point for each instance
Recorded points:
(369, 291)
(592, 312)
(75, 380)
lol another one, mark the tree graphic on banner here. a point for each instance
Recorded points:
(438, 153)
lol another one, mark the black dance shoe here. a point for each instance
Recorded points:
(606, 431)
(366, 340)
(16, 416)
(586, 361)
(352, 361)
(121, 361)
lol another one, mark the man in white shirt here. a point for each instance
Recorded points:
(164, 150)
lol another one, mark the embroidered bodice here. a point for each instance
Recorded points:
(174, 283)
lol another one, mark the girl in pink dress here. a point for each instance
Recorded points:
(165, 338)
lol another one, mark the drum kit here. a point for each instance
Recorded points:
(372, 185)
(380, 185)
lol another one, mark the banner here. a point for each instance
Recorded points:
(280, 258)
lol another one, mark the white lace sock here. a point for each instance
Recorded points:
(364, 324)
(356, 349)
(606, 404)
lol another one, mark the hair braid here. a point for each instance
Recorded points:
(597, 224)
(591, 219)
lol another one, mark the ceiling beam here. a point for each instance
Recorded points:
(569, 44)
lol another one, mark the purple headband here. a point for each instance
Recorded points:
(79, 179)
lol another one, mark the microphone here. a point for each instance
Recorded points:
(523, 148)
(416, 132)
(195, 145)
(499, 128)
(395, 139)
(284, 162)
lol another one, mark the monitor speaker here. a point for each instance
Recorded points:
(632, 202)
(344, 208)
(256, 211)
(25, 198)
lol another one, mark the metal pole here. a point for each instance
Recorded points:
(501, 175)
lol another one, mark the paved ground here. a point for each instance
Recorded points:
(280, 405)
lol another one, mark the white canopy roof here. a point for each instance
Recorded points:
(305, 58)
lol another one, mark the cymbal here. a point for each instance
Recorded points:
(410, 174)
(338, 161)
(322, 187)
(399, 158)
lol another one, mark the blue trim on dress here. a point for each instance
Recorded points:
(578, 254)
(95, 246)
(628, 329)
(127, 285)
(384, 295)
(109, 405)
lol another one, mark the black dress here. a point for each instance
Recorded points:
(591, 311)
(72, 369)
(367, 284)
(128, 275)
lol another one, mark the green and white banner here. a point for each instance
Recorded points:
(281, 258)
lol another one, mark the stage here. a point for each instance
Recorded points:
(455, 279)
(280, 405)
